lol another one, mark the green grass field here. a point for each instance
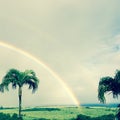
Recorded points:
(60, 113)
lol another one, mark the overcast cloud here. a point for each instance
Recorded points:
(79, 40)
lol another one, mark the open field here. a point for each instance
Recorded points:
(60, 113)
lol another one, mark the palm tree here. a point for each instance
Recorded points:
(17, 78)
(109, 85)
(105, 85)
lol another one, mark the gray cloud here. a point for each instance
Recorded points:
(75, 38)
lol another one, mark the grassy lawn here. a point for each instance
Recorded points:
(60, 113)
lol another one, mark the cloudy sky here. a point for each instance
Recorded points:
(78, 40)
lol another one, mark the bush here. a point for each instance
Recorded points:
(104, 117)
(42, 109)
(8, 117)
(41, 119)
(83, 117)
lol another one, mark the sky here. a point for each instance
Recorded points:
(78, 40)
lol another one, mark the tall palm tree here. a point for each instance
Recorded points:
(109, 85)
(17, 78)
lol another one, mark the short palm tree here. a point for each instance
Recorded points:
(17, 78)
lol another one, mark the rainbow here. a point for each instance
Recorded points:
(46, 67)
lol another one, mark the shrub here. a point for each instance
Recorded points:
(41, 119)
(83, 117)
(8, 117)
(104, 117)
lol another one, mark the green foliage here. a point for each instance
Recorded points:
(83, 117)
(109, 84)
(106, 84)
(104, 117)
(112, 85)
(62, 113)
(42, 109)
(8, 117)
(18, 78)
(80, 113)
(41, 119)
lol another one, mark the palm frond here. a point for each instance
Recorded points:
(17, 78)
(106, 84)
(1, 88)
(30, 73)
(14, 85)
(117, 76)
(101, 92)
(117, 80)
(32, 82)
(29, 78)
(12, 76)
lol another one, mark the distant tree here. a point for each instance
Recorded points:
(104, 117)
(17, 78)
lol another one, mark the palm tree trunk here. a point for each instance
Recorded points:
(20, 100)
